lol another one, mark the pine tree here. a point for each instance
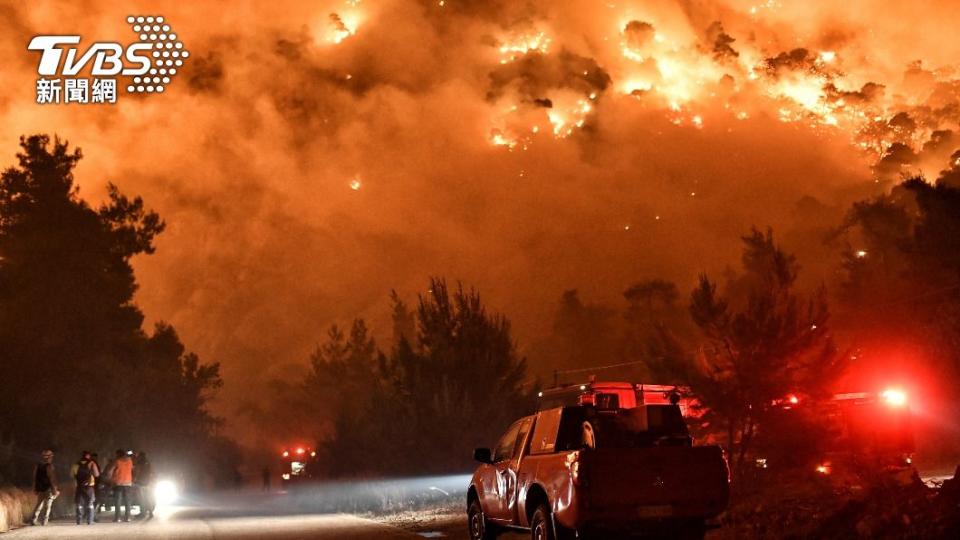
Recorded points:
(762, 343)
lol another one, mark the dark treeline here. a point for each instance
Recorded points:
(77, 371)
(451, 377)
(450, 382)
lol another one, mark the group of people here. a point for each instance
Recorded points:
(126, 476)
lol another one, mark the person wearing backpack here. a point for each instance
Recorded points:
(85, 472)
(45, 486)
(121, 476)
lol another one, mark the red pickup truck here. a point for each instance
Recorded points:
(579, 471)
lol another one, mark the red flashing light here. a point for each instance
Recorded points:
(286, 454)
(300, 450)
(894, 397)
(823, 469)
(793, 399)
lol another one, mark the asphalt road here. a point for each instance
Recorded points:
(458, 531)
(251, 515)
(197, 527)
(225, 515)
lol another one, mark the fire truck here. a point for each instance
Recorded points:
(855, 434)
(871, 429)
(298, 466)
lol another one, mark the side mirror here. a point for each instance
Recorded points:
(482, 455)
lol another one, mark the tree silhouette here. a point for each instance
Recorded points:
(760, 346)
(435, 399)
(582, 335)
(902, 291)
(78, 369)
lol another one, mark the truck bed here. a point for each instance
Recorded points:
(654, 483)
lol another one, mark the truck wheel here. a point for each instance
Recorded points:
(477, 523)
(541, 526)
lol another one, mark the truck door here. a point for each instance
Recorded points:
(506, 461)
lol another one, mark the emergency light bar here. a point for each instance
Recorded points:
(894, 397)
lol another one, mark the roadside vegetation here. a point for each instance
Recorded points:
(79, 370)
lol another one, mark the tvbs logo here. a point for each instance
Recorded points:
(148, 65)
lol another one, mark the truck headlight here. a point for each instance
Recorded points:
(165, 492)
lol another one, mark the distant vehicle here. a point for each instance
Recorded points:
(576, 470)
(873, 430)
(298, 466)
(862, 433)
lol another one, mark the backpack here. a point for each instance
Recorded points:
(41, 478)
(84, 475)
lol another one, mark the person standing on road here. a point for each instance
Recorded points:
(45, 486)
(121, 476)
(99, 491)
(106, 495)
(85, 472)
(143, 479)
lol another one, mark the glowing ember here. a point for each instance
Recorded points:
(498, 138)
(636, 87)
(355, 183)
(566, 119)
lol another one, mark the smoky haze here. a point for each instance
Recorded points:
(312, 156)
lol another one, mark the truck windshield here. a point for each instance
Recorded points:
(648, 425)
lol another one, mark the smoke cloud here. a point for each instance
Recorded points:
(312, 156)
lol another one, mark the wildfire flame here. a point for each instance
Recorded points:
(341, 26)
(520, 45)
(661, 65)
